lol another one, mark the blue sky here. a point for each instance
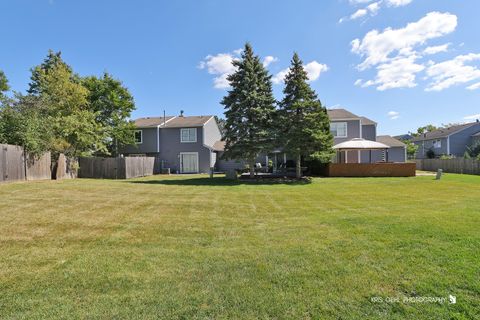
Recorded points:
(174, 55)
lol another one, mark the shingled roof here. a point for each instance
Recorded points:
(366, 121)
(150, 121)
(443, 132)
(340, 114)
(390, 141)
(172, 122)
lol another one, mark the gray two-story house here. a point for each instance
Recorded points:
(183, 144)
(346, 126)
(452, 141)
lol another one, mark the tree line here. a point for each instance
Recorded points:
(63, 112)
(256, 122)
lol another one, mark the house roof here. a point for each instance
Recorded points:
(172, 121)
(390, 141)
(476, 134)
(366, 121)
(337, 114)
(192, 121)
(405, 136)
(443, 132)
(150, 121)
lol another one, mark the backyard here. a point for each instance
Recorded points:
(187, 247)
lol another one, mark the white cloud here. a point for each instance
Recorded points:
(453, 72)
(377, 46)
(373, 7)
(436, 49)
(218, 64)
(268, 60)
(398, 3)
(221, 66)
(395, 54)
(400, 73)
(393, 115)
(358, 14)
(313, 69)
(358, 83)
(474, 86)
(472, 117)
(279, 76)
(355, 2)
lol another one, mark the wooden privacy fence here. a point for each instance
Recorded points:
(116, 168)
(371, 170)
(15, 165)
(457, 165)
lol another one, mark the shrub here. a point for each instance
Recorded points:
(446, 157)
(474, 149)
(430, 154)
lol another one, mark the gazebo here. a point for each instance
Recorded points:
(359, 144)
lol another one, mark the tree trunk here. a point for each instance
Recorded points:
(299, 166)
(252, 168)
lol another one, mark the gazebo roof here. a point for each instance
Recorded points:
(360, 144)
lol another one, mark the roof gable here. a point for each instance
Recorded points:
(390, 141)
(443, 132)
(341, 114)
(172, 121)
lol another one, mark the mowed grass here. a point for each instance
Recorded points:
(187, 247)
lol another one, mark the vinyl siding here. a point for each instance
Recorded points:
(148, 145)
(461, 140)
(369, 132)
(170, 148)
(211, 132)
(423, 149)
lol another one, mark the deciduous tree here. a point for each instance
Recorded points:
(112, 104)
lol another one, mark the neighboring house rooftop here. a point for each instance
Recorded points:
(443, 132)
(405, 136)
(390, 141)
(340, 114)
(366, 121)
(172, 121)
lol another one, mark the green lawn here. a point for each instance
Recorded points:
(186, 247)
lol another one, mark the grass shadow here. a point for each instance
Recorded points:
(221, 181)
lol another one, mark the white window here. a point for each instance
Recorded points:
(188, 135)
(138, 136)
(338, 129)
(437, 144)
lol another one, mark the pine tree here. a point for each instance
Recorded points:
(52, 61)
(3, 84)
(304, 126)
(249, 110)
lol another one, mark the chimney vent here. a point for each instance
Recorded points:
(181, 113)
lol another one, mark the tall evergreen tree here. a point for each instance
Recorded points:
(249, 109)
(303, 123)
(3, 84)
